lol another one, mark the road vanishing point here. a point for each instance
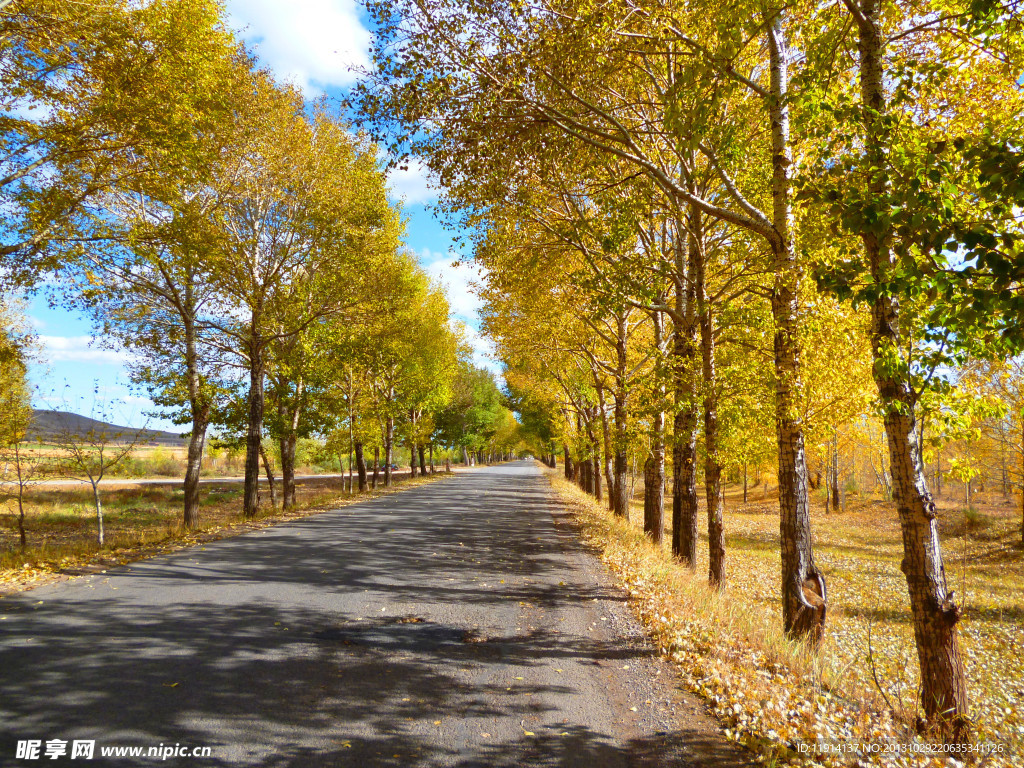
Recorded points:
(458, 623)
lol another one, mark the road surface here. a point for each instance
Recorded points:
(454, 624)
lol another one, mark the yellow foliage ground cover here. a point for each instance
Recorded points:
(777, 697)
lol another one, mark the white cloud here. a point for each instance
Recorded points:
(79, 349)
(412, 184)
(25, 109)
(483, 349)
(311, 43)
(457, 277)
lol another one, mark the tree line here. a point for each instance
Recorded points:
(722, 233)
(237, 242)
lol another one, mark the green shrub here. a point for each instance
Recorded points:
(976, 520)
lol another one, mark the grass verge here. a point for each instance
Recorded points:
(771, 694)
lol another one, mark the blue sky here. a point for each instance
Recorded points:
(312, 44)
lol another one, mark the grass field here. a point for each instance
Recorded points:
(862, 684)
(139, 521)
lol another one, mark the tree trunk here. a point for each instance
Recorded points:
(617, 489)
(350, 399)
(412, 459)
(21, 518)
(200, 409)
(569, 471)
(620, 488)
(361, 466)
(270, 474)
(828, 479)
(684, 437)
(744, 482)
(254, 433)
(654, 467)
(835, 470)
(594, 460)
(288, 445)
(716, 524)
(99, 513)
(936, 615)
(376, 466)
(423, 463)
(804, 597)
(193, 466)
(684, 488)
(606, 439)
(22, 472)
(712, 460)
(432, 470)
(654, 500)
(465, 456)
(389, 442)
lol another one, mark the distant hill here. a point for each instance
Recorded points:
(46, 425)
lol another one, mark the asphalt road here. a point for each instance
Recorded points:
(455, 624)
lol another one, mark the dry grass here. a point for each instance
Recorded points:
(773, 694)
(140, 522)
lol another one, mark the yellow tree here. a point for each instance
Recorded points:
(656, 87)
(20, 464)
(306, 194)
(143, 270)
(909, 94)
(87, 91)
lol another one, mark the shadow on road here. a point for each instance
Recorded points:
(272, 647)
